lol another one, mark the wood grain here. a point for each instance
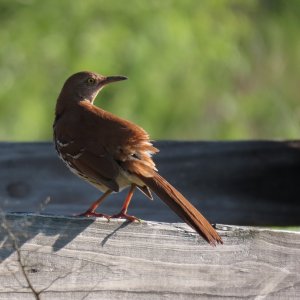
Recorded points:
(80, 258)
(244, 183)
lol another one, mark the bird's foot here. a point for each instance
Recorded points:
(89, 213)
(123, 215)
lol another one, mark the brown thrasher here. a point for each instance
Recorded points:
(112, 153)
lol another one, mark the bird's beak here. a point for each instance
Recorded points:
(110, 79)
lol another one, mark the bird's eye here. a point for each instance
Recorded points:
(91, 81)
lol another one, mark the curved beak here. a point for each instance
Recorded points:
(110, 79)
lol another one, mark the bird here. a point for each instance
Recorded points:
(112, 153)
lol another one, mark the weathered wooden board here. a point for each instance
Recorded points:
(230, 182)
(80, 258)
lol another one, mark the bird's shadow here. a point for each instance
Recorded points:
(18, 228)
(123, 225)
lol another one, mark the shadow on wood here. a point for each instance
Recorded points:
(76, 258)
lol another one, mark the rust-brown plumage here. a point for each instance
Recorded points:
(112, 153)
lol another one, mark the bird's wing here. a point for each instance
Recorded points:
(97, 167)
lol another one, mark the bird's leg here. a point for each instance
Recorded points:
(123, 213)
(91, 211)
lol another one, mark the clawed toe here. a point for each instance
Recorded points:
(94, 214)
(123, 215)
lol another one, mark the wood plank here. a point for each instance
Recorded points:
(251, 182)
(80, 258)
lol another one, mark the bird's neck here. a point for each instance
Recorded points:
(67, 101)
(71, 99)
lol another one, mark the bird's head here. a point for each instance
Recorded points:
(86, 85)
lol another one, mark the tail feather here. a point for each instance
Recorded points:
(182, 207)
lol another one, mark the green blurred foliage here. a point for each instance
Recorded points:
(209, 69)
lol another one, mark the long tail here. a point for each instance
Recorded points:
(182, 207)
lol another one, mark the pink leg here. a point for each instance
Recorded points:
(123, 213)
(91, 211)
